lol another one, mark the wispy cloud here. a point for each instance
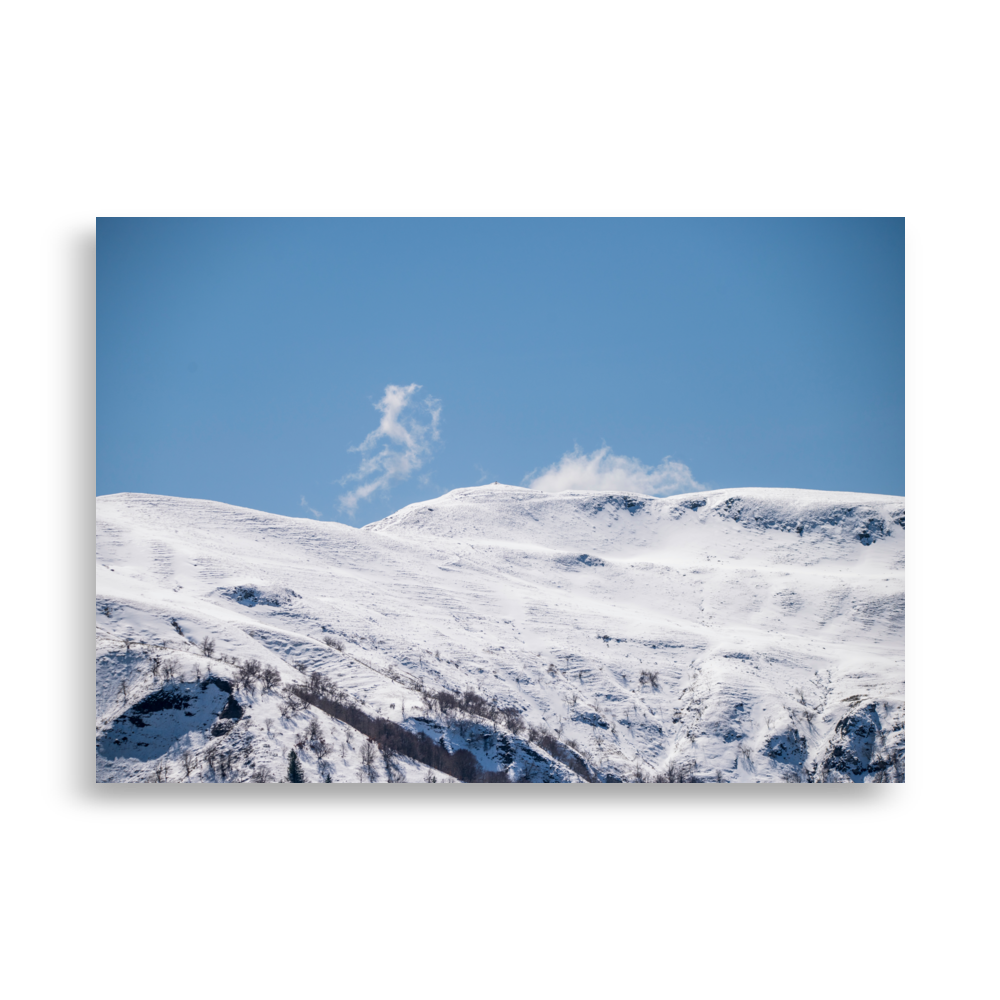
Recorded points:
(602, 470)
(396, 448)
(314, 513)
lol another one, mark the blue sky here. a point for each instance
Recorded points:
(242, 359)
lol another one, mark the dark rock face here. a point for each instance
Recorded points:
(852, 749)
(590, 719)
(630, 504)
(250, 596)
(149, 728)
(232, 709)
(862, 523)
(787, 748)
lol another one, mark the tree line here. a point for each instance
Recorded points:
(393, 740)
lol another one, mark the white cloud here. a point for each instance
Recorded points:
(405, 444)
(601, 470)
(305, 503)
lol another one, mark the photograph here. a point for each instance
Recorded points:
(500, 500)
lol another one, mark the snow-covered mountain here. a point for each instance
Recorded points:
(501, 633)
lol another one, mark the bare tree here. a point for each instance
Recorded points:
(393, 771)
(188, 762)
(207, 647)
(268, 725)
(291, 705)
(369, 755)
(317, 683)
(677, 773)
(247, 674)
(513, 719)
(270, 679)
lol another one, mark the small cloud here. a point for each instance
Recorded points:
(405, 444)
(314, 513)
(602, 470)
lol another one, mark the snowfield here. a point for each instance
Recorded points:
(501, 633)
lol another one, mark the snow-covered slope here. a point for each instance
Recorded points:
(751, 635)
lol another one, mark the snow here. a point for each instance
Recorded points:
(740, 635)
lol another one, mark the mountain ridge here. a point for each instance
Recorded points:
(732, 635)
